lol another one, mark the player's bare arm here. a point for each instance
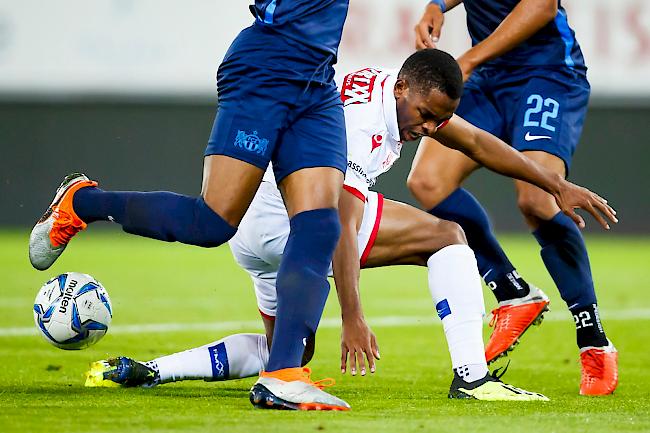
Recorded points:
(356, 337)
(427, 30)
(498, 156)
(526, 19)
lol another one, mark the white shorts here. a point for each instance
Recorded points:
(263, 233)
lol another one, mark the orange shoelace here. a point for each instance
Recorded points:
(302, 374)
(493, 320)
(64, 228)
(592, 364)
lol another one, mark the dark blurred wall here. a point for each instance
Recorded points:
(159, 146)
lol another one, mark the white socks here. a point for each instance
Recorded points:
(455, 286)
(233, 357)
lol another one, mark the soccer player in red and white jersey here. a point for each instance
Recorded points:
(382, 108)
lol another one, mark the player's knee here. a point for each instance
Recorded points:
(536, 206)
(441, 234)
(208, 228)
(453, 233)
(428, 190)
(229, 212)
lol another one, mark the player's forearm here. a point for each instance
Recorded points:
(497, 156)
(345, 264)
(526, 19)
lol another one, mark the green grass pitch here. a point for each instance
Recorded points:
(171, 297)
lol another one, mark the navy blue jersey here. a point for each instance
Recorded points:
(315, 23)
(554, 45)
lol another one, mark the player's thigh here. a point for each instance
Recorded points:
(535, 203)
(246, 130)
(312, 188)
(410, 236)
(549, 113)
(229, 185)
(310, 160)
(437, 171)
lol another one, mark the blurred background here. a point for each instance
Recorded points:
(124, 90)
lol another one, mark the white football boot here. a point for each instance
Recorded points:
(292, 388)
(58, 225)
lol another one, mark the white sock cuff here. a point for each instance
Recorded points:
(449, 252)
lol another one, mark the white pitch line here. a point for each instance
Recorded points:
(386, 321)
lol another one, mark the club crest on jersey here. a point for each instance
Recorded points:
(357, 86)
(251, 142)
(377, 141)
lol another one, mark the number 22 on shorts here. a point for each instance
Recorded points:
(548, 108)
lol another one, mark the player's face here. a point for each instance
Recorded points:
(419, 114)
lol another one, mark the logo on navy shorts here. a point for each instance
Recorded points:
(251, 142)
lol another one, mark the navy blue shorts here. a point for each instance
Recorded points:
(267, 112)
(531, 109)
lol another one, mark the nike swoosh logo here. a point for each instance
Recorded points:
(529, 137)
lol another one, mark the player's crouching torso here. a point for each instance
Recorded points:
(371, 123)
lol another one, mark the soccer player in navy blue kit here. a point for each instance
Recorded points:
(525, 83)
(277, 102)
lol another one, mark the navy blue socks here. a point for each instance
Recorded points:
(302, 284)
(165, 216)
(493, 264)
(565, 255)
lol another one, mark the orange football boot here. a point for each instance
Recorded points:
(599, 370)
(58, 225)
(511, 319)
(292, 388)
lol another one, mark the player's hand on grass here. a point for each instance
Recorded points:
(358, 344)
(571, 197)
(427, 31)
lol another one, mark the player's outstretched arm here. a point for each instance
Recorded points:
(427, 30)
(356, 337)
(496, 155)
(526, 19)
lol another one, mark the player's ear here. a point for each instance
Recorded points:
(401, 88)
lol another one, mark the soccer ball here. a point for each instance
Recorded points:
(72, 311)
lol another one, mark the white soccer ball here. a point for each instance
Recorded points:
(72, 311)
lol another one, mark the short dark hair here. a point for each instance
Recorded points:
(430, 69)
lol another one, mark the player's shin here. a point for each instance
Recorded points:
(565, 255)
(302, 284)
(233, 357)
(455, 287)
